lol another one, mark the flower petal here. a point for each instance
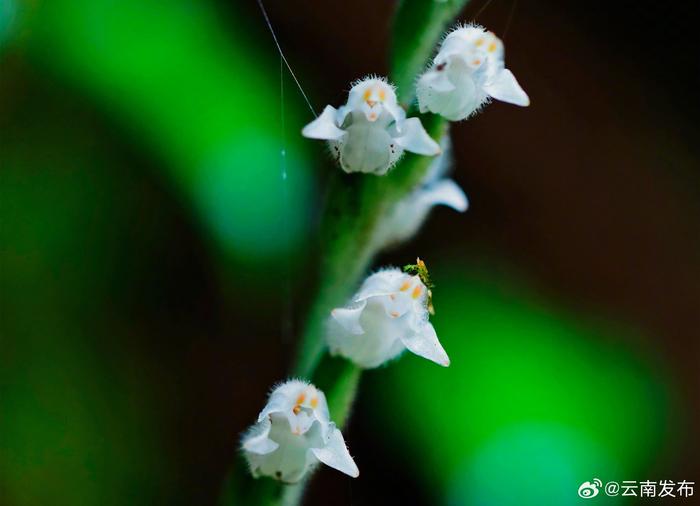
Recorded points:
(424, 343)
(321, 411)
(324, 127)
(335, 454)
(341, 114)
(278, 403)
(384, 282)
(257, 440)
(367, 147)
(282, 399)
(396, 111)
(431, 83)
(445, 192)
(506, 89)
(414, 138)
(349, 318)
(438, 81)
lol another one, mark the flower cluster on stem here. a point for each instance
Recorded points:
(390, 312)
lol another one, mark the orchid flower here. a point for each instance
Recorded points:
(388, 315)
(293, 434)
(370, 132)
(406, 217)
(468, 71)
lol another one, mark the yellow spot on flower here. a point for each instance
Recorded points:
(405, 286)
(479, 42)
(416, 292)
(492, 47)
(382, 95)
(367, 94)
(301, 398)
(314, 402)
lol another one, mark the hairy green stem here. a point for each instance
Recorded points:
(357, 205)
(357, 210)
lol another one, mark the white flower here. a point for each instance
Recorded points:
(370, 133)
(387, 316)
(466, 73)
(407, 216)
(293, 434)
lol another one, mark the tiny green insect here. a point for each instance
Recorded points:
(421, 270)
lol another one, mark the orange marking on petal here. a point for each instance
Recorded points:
(479, 42)
(394, 314)
(382, 95)
(492, 47)
(405, 286)
(296, 409)
(367, 94)
(314, 402)
(301, 398)
(416, 292)
(477, 62)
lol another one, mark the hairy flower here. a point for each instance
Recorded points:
(293, 434)
(467, 72)
(406, 217)
(370, 132)
(388, 315)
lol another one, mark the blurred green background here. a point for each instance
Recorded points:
(156, 263)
